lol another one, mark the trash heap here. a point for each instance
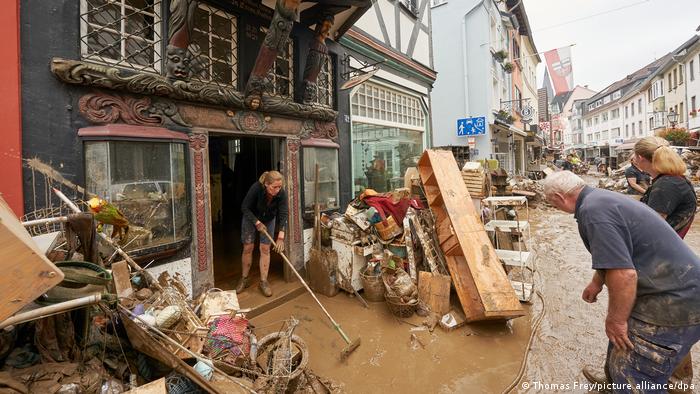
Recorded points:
(617, 181)
(81, 327)
(396, 247)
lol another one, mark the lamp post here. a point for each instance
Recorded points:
(672, 118)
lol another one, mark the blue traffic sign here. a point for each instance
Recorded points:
(471, 126)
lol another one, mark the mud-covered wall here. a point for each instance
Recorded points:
(50, 121)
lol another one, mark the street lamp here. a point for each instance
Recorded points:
(672, 118)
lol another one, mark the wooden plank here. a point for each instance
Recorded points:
(27, 273)
(434, 290)
(122, 279)
(155, 387)
(481, 283)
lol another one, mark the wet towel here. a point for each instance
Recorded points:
(384, 204)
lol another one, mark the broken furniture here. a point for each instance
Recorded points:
(480, 281)
(519, 255)
(354, 250)
(28, 273)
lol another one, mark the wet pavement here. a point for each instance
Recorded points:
(472, 359)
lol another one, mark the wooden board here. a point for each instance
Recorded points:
(481, 283)
(27, 273)
(122, 279)
(434, 290)
(145, 343)
(155, 387)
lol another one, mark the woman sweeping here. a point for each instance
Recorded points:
(264, 206)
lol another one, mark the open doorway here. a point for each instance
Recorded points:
(235, 163)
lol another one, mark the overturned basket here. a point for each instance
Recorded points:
(399, 308)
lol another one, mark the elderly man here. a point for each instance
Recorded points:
(652, 276)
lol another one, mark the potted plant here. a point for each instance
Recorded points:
(676, 136)
(693, 113)
(504, 116)
(508, 67)
(500, 55)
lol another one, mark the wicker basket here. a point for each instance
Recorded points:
(399, 308)
(373, 285)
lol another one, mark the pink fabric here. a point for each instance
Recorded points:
(384, 205)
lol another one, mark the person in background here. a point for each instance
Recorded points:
(673, 197)
(671, 193)
(637, 180)
(264, 206)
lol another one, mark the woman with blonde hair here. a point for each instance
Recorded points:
(264, 205)
(670, 193)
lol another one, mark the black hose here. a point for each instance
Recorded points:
(523, 365)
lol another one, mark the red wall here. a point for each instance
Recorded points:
(10, 108)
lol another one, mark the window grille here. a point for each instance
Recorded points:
(380, 103)
(281, 76)
(214, 46)
(122, 33)
(324, 84)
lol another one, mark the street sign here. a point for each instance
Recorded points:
(471, 126)
(471, 141)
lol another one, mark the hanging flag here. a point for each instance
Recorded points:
(559, 67)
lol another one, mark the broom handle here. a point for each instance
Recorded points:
(291, 266)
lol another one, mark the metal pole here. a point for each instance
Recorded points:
(51, 310)
(60, 219)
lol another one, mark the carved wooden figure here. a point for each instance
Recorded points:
(179, 36)
(317, 57)
(286, 12)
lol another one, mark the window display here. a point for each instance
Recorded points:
(146, 181)
(327, 159)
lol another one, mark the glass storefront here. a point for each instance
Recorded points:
(388, 133)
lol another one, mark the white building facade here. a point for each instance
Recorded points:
(486, 70)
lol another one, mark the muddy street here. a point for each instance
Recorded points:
(572, 333)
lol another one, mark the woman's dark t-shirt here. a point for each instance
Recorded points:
(673, 196)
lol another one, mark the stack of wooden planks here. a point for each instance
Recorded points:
(481, 283)
(476, 180)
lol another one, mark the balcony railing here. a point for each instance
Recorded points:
(521, 107)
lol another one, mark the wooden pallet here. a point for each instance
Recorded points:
(481, 283)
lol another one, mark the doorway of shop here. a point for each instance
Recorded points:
(236, 163)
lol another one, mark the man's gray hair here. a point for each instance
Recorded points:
(562, 182)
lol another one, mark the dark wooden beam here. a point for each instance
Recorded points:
(352, 20)
(311, 15)
(349, 3)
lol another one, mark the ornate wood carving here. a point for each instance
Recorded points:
(198, 143)
(103, 108)
(286, 12)
(179, 35)
(293, 146)
(316, 129)
(250, 121)
(317, 57)
(88, 74)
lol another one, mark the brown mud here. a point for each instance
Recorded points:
(396, 357)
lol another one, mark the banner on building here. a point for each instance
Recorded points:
(559, 67)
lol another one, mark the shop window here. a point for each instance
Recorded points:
(328, 193)
(122, 32)
(146, 181)
(214, 46)
(382, 154)
(379, 103)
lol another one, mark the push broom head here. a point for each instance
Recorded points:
(345, 353)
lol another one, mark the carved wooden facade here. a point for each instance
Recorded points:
(161, 84)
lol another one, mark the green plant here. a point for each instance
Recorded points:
(500, 55)
(504, 116)
(677, 137)
(508, 67)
